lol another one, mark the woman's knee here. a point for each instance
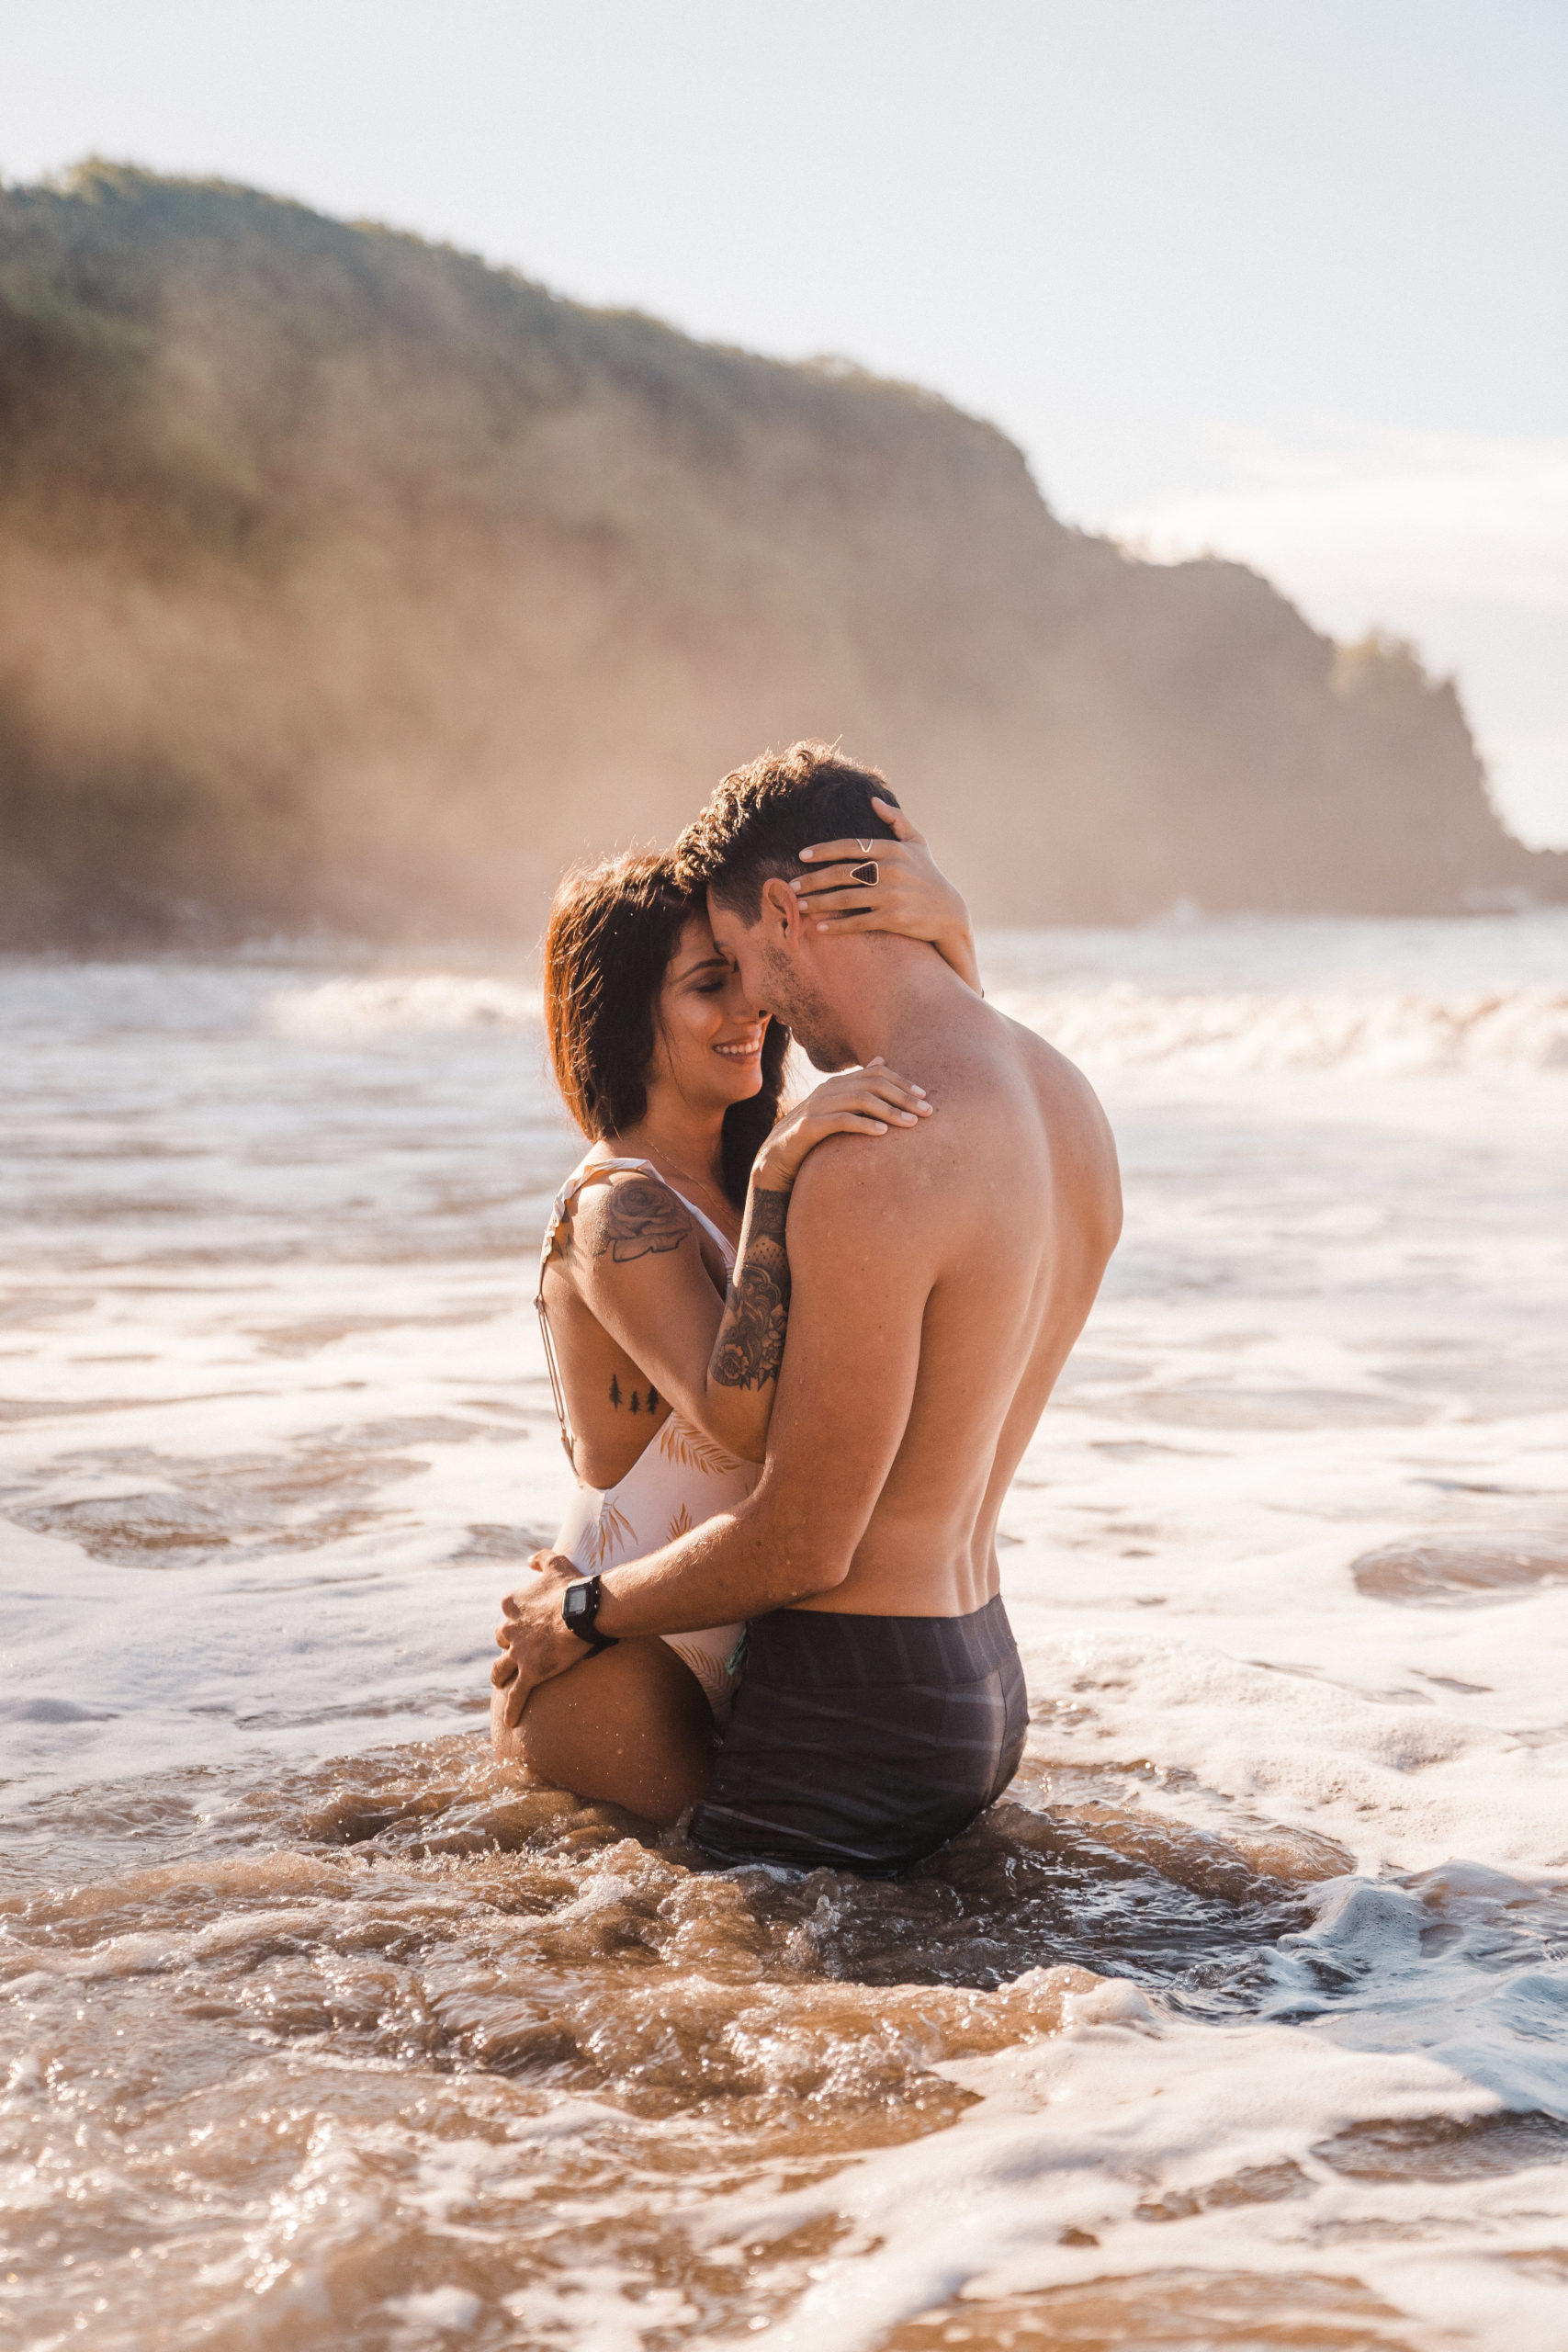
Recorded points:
(505, 1740)
(630, 1726)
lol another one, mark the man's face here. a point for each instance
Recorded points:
(776, 963)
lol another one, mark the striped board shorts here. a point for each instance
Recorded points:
(865, 1743)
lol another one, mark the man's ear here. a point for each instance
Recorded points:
(782, 914)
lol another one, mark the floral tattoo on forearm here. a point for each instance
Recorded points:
(749, 1347)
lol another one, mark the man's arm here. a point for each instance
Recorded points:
(845, 1387)
(863, 1268)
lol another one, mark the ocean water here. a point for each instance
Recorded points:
(1243, 2022)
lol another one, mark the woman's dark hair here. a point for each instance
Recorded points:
(613, 930)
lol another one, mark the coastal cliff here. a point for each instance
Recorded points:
(346, 580)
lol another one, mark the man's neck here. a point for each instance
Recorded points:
(897, 990)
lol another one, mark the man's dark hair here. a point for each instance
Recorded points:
(762, 817)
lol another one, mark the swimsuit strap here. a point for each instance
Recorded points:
(560, 1208)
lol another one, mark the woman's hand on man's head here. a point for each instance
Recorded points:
(893, 885)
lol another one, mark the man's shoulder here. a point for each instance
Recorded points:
(848, 1178)
(1058, 1085)
(1069, 1086)
(857, 1194)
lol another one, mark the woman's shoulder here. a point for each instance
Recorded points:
(622, 1214)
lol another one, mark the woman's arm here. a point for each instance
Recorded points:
(910, 895)
(635, 1263)
(743, 1369)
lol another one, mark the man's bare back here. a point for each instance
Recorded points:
(995, 1223)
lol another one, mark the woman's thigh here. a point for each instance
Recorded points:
(629, 1728)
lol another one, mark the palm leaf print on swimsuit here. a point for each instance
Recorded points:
(678, 1441)
(612, 1529)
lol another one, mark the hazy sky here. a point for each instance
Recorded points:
(1285, 278)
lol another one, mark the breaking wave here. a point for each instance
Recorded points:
(1227, 1036)
(1119, 1026)
(426, 1001)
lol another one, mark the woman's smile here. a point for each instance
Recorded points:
(742, 1050)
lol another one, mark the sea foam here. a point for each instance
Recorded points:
(1284, 1561)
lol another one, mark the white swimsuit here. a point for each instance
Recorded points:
(680, 1478)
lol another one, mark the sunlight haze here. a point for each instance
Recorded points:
(1287, 283)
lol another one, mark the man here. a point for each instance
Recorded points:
(935, 1293)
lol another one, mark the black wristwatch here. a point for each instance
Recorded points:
(580, 1610)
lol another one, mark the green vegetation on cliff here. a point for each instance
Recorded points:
(346, 580)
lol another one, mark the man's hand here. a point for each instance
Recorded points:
(534, 1638)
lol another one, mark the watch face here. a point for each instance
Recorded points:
(577, 1607)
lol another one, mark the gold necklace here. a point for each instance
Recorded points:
(702, 1183)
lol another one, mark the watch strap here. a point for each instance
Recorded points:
(584, 1622)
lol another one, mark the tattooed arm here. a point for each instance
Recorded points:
(749, 1347)
(642, 1219)
(635, 1263)
(632, 1255)
(744, 1367)
(743, 1373)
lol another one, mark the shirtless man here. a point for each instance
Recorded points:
(937, 1292)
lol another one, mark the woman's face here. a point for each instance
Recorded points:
(708, 1040)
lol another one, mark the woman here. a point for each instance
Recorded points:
(663, 1283)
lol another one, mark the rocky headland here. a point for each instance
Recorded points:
(347, 582)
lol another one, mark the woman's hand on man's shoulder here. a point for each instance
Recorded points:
(868, 1102)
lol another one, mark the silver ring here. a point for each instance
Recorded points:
(865, 848)
(868, 871)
